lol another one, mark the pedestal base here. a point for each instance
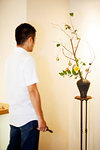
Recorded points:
(81, 120)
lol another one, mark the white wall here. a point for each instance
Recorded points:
(12, 13)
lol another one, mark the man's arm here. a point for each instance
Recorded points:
(36, 102)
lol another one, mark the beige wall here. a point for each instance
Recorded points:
(12, 13)
(60, 109)
(43, 14)
(87, 14)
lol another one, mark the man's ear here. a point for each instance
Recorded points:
(29, 39)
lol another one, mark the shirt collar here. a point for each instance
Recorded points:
(21, 50)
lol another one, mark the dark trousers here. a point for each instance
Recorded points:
(25, 137)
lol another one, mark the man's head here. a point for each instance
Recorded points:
(25, 36)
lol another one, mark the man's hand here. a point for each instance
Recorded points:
(42, 125)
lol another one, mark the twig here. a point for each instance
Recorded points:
(77, 45)
(62, 30)
(91, 61)
(75, 58)
(91, 51)
(89, 69)
(66, 49)
(71, 23)
(72, 48)
(66, 55)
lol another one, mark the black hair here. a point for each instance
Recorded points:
(23, 32)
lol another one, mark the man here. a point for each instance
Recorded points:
(25, 112)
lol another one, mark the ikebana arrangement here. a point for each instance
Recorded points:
(76, 67)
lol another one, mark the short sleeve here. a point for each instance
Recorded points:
(30, 74)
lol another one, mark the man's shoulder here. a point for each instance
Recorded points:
(30, 59)
(22, 58)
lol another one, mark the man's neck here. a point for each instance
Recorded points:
(22, 46)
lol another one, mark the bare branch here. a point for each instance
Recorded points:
(90, 64)
(77, 45)
(72, 48)
(66, 49)
(62, 30)
(91, 51)
(71, 23)
(66, 55)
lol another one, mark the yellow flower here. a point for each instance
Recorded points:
(76, 69)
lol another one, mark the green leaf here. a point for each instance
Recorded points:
(75, 30)
(69, 72)
(81, 73)
(65, 73)
(58, 45)
(84, 64)
(70, 76)
(74, 73)
(69, 63)
(67, 26)
(77, 60)
(76, 77)
(61, 73)
(71, 14)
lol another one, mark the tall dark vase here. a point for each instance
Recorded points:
(83, 86)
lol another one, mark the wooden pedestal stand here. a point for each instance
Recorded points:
(81, 120)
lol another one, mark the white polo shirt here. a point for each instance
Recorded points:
(20, 72)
